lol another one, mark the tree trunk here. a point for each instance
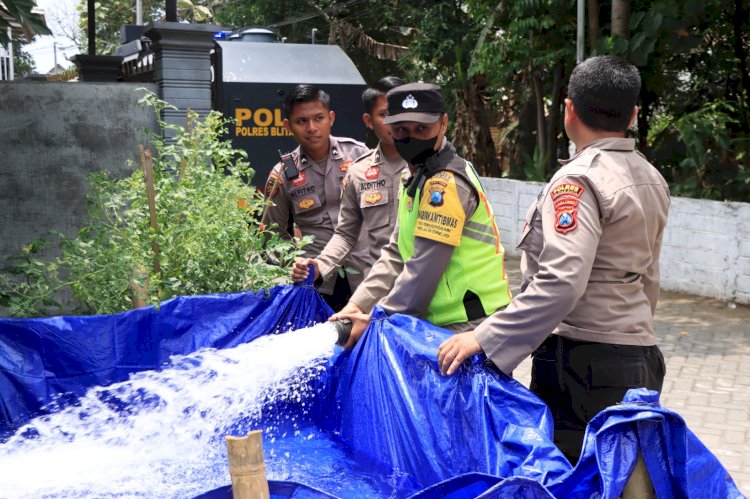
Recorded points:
(621, 18)
(541, 141)
(740, 51)
(644, 110)
(472, 131)
(593, 24)
(554, 119)
(524, 137)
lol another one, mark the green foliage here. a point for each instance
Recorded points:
(535, 166)
(207, 232)
(23, 61)
(701, 159)
(20, 11)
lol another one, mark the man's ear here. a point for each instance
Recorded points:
(333, 117)
(286, 125)
(367, 118)
(633, 117)
(570, 111)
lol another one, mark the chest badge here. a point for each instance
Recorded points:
(299, 180)
(345, 166)
(372, 173)
(306, 203)
(373, 197)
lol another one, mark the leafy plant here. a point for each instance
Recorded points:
(701, 149)
(535, 167)
(201, 236)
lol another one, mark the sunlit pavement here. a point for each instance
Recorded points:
(706, 345)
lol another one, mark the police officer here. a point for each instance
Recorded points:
(369, 201)
(444, 261)
(590, 264)
(312, 196)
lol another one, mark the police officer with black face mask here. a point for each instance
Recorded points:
(444, 261)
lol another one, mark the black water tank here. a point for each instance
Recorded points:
(252, 79)
(259, 35)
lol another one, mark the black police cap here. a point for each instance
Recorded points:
(420, 102)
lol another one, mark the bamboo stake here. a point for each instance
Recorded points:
(247, 467)
(148, 172)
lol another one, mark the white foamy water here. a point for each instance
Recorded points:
(161, 434)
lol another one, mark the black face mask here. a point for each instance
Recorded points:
(415, 151)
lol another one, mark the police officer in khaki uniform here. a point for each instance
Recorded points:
(369, 201)
(444, 261)
(590, 265)
(312, 196)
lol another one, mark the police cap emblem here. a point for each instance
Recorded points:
(410, 102)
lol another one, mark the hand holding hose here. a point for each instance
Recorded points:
(359, 321)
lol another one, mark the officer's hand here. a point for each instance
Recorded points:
(300, 269)
(350, 308)
(360, 322)
(456, 349)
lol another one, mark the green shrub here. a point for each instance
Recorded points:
(207, 237)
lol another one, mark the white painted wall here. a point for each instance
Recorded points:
(706, 249)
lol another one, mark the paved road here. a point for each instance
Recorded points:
(706, 345)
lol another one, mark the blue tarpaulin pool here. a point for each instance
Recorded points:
(476, 434)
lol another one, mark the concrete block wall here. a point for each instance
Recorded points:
(52, 135)
(706, 247)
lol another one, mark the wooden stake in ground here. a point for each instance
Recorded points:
(247, 467)
(148, 174)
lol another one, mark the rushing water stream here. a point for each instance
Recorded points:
(161, 434)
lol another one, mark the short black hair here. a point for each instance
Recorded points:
(377, 89)
(302, 94)
(604, 91)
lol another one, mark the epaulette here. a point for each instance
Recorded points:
(580, 165)
(350, 140)
(364, 155)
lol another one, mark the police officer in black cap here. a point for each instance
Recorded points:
(444, 261)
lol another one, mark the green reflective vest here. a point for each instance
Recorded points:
(475, 283)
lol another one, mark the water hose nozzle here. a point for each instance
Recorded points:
(344, 329)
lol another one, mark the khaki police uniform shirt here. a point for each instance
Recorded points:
(369, 208)
(408, 288)
(590, 263)
(313, 198)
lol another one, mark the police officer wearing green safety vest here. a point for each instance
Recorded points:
(444, 261)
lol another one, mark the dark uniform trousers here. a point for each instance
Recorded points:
(599, 374)
(340, 295)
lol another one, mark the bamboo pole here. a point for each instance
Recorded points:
(148, 173)
(247, 467)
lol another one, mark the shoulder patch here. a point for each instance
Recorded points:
(441, 216)
(272, 185)
(565, 197)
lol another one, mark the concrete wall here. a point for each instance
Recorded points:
(52, 135)
(706, 249)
